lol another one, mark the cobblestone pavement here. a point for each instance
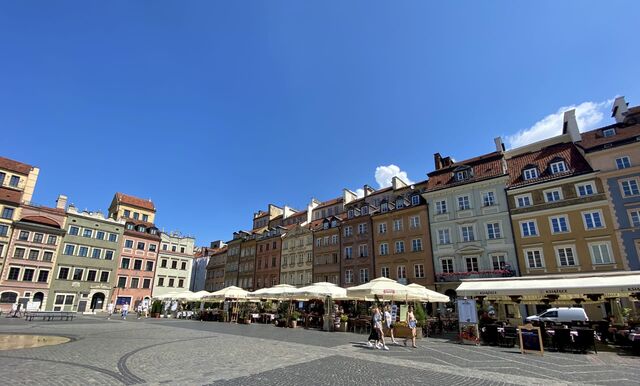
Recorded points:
(151, 351)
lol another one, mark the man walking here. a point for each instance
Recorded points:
(109, 310)
(125, 310)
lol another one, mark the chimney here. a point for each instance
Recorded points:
(437, 160)
(446, 162)
(619, 109)
(61, 202)
(368, 190)
(570, 125)
(499, 144)
(348, 196)
(397, 183)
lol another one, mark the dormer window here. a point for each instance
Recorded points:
(141, 228)
(415, 199)
(334, 224)
(530, 173)
(350, 213)
(608, 132)
(153, 231)
(384, 207)
(557, 167)
(130, 226)
(325, 225)
(399, 202)
(463, 174)
(364, 210)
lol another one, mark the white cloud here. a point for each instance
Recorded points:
(384, 174)
(360, 192)
(588, 114)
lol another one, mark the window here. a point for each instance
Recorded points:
(552, 195)
(43, 276)
(348, 276)
(128, 243)
(350, 213)
(586, 189)
(100, 235)
(402, 272)
(47, 256)
(364, 275)
(384, 272)
(444, 237)
(152, 247)
(2, 177)
(140, 246)
(447, 265)
(418, 271)
(416, 245)
(63, 273)
(113, 237)
(146, 283)
(163, 263)
(623, 162)
(160, 281)
(499, 262)
(23, 235)
(523, 201)
(18, 253)
(467, 233)
(488, 199)
(174, 264)
(180, 283)
(87, 233)
(127, 213)
(37, 238)
(630, 188)
(528, 228)
(83, 251)
(348, 252)
(362, 228)
(14, 181)
(78, 273)
(104, 277)
(124, 264)
(51, 240)
(183, 265)
(129, 226)
(565, 256)
(463, 203)
(4, 230)
(593, 220)
(91, 275)
(441, 207)
(529, 174)
(384, 249)
(96, 253)
(462, 175)
(399, 246)
(399, 202)
(397, 225)
(318, 242)
(493, 231)
(559, 224)
(348, 231)
(136, 215)
(108, 255)
(363, 250)
(14, 273)
(7, 213)
(149, 266)
(34, 254)
(415, 199)
(600, 253)
(145, 218)
(534, 258)
(635, 218)
(472, 264)
(382, 227)
(557, 167)
(135, 282)
(414, 222)
(608, 132)
(384, 207)
(64, 300)
(137, 264)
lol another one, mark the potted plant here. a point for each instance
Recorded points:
(293, 320)
(343, 322)
(156, 308)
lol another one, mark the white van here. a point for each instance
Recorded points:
(561, 315)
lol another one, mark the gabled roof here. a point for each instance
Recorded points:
(594, 139)
(135, 201)
(484, 167)
(14, 166)
(575, 163)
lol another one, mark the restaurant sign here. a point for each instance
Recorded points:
(555, 291)
(389, 291)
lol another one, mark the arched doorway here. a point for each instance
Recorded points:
(38, 299)
(97, 301)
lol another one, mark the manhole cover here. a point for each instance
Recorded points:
(14, 342)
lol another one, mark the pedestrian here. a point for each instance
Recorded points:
(109, 310)
(139, 310)
(412, 323)
(145, 309)
(377, 317)
(388, 321)
(373, 336)
(125, 310)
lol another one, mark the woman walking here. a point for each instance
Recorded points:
(377, 325)
(412, 322)
(388, 321)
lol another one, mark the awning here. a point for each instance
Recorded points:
(612, 283)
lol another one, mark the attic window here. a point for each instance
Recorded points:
(399, 202)
(350, 213)
(364, 210)
(462, 175)
(608, 132)
(557, 167)
(530, 173)
(141, 228)
(415, 199)
(325, 225)
(384, 207)
(334, 224)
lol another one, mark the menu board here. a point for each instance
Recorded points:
(403, 312)
(467, 311)
(530, 339)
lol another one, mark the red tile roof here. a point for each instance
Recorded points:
(595, 138)
(135, 201)
(10, 195)
(41, 220)
(329, 203)
(484, 167)
(14, 166)
(575, 163)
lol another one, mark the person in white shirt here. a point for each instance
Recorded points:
(125, 310)
(109, 310)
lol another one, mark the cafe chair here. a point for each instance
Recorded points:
(584, 341)
(490, 335)
(509, 337)
(561, 339)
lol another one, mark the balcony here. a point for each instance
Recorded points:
(458, 276)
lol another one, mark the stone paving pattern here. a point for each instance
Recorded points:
(107, 352)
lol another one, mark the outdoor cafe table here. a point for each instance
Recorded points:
(310, 318)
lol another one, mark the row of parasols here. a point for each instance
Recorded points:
(380, 288)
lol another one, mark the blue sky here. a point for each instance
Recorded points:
(216, 108)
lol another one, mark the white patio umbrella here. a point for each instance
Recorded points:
(320, 290)
(198, 295)
(427, 295)
(280, 291)
(382, 287)
(174, 295)
(231, 292)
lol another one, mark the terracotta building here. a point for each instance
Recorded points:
(247, 261)
(326, 249)
(268, 252)
(215, 279)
